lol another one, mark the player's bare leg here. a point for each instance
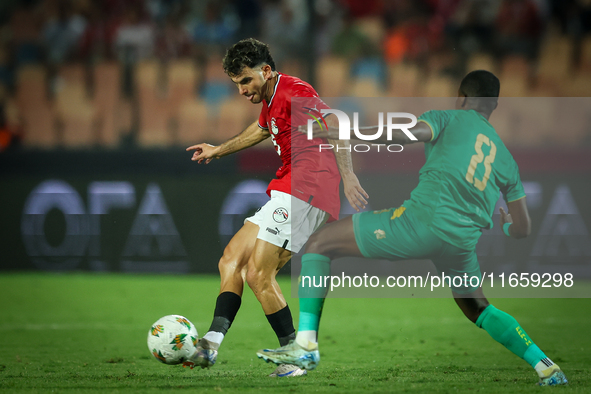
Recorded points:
(332, 241)
(264, 263)
(503, 328)
(233, 263)
(473, 304)
(232, 266)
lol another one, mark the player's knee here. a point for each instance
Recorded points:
(257, 279)
(224, 267)
(229, 263)
(316, 244)
(224, 263)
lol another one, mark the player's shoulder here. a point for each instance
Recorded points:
(440, 113)
(438, 118)
(296, 87)
(459, 116)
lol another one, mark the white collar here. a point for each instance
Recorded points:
(274, 89)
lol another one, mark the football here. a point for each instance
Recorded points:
(172, 339)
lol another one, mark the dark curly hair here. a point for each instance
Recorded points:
(483, 86)
(246, 53)
(480, 83)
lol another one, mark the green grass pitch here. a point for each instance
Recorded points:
(87, 333)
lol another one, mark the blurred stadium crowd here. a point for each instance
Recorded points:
(79, 74)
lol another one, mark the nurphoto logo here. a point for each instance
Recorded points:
(345, 129)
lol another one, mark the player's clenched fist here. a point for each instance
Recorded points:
(202, 152)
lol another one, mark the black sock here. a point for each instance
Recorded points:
(282, 324)
(226, 307)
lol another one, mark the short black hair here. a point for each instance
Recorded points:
(480, 83)
(246, 53)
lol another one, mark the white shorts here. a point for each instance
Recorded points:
(286, 221)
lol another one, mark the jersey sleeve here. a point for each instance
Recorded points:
(437, 121)
(263, 118)
(513, 190)
(306, 105)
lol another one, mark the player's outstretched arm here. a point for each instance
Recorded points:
(252, 135)
(354, 193)
(518, 216)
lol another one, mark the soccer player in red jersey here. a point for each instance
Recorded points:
(265, 243)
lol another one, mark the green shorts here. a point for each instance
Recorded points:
(396, 234)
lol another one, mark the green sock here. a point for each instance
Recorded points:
(505, 330)
(312, 291)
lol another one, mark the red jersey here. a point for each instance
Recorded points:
(306, 173)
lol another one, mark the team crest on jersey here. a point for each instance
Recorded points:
(280, 215)
(380, 234)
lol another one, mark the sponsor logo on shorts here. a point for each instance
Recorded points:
(273, 231)
(280, 215)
